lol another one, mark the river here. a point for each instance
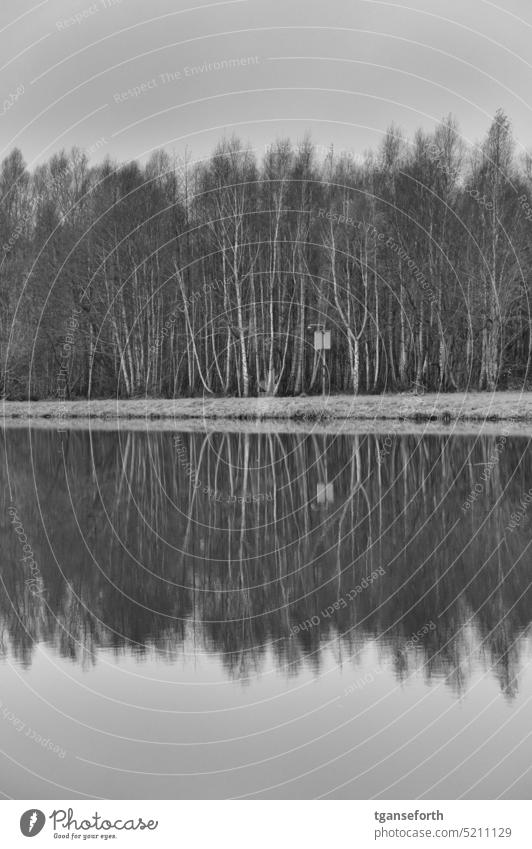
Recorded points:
(265, 615)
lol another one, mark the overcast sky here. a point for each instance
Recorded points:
(120, 78)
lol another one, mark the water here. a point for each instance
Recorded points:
(279, 615)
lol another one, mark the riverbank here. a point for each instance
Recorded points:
(459, 407)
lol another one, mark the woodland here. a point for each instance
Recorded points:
(177, 278)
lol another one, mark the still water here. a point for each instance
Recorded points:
(265, 615)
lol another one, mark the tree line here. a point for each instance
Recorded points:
(177, 278)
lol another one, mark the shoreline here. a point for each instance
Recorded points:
(334, 427)
(460, 407)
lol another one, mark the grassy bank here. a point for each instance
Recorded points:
(459, 407)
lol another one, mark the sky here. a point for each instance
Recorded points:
(121, 78)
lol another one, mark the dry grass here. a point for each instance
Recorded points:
(472, 406)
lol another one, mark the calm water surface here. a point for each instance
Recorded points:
(265, 615)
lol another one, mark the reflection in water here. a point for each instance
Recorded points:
(249, 546)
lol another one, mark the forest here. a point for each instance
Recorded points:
(177, 277)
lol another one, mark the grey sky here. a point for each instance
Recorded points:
(343, 69)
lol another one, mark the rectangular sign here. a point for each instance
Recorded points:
(322, 340)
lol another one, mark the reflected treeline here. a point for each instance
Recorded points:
(157, 542)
